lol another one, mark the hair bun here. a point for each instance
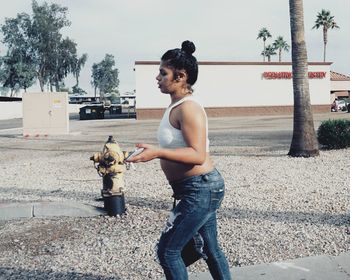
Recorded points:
(188, 47)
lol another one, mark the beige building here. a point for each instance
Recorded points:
(340, 86)
(239, 88)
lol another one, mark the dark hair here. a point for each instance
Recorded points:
(182, 59)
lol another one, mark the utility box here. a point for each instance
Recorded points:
(45, 113)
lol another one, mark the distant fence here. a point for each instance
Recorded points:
(7, 98)
(13, 110)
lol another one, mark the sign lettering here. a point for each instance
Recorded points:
(289, 75)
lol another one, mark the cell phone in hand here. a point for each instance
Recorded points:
(135, 153)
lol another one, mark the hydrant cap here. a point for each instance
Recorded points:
(111, 139)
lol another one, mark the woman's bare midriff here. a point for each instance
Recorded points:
(176, 171)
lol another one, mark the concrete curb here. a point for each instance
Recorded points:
(19, 210)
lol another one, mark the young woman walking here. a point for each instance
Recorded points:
(184, 157)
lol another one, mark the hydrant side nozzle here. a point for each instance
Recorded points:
(96, 157)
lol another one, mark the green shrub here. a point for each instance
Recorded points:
(334, 134)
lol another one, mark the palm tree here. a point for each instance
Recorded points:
(78, 65)
(304, 141)
(268, 52)
(325, 20)
(264, 34)
(280, 45)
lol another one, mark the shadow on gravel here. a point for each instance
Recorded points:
(247, 154)
(84, 197)
(10, 273)
(167, 204)
(234, 213)
(155, 204)
(286, 217)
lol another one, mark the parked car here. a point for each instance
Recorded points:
(341, 106)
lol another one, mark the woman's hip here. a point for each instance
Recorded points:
(205, 191)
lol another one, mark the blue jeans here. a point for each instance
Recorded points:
(194, 217)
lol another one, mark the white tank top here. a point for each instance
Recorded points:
(171, 137)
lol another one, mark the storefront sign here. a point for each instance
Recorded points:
(289, 75)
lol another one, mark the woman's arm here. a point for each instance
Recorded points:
(192, 121)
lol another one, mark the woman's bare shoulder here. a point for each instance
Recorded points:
(191, 109)
(191, 105)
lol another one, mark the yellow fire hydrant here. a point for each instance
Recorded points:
(110, 166)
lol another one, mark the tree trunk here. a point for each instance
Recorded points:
(57, 85)
(264, 52)
(102, 96)
(280, 55)
(324, 43)
(304, 141)
(41, 79)
(41, 83)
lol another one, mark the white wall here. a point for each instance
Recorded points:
(340, 85)
(148, 94)
(10, 110)
(233, 85)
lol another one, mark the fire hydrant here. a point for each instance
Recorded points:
(110, 166)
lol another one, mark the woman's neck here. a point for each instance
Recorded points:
(178, 96)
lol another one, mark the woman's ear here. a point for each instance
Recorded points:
(181, 76)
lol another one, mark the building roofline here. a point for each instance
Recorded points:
(335, 76)
(154, 62)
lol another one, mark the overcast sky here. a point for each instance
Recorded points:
(222, 30)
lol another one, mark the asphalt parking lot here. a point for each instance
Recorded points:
(228, 135)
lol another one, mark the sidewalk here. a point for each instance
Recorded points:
(310, 268)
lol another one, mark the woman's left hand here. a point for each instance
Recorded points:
(150, 152)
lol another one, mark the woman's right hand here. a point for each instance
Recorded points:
(150, 152)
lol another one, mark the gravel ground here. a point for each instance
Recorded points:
(275, 208)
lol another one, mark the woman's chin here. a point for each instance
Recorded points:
(164, 92)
